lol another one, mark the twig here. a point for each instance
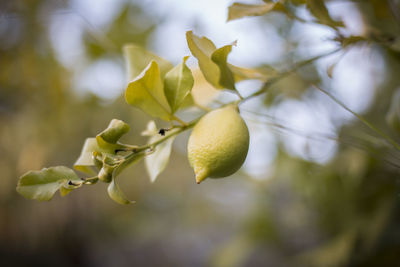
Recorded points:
(361, 118)
(282, 75)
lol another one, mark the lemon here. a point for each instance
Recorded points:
(218, 144)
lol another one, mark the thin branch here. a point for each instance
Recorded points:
(179, 120)
(280, 128)
(361, 118)
(282, 75)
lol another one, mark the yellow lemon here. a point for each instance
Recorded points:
(218, 144)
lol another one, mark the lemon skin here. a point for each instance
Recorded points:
(218, 144)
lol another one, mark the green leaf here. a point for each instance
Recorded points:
(202, 49)
(178, 83)
(220, 57)
(116, 194)
(65, 191)
(151, 129)
(69, 186)
(108, 139)
(239, 10)
(114, 131)
(42, 185)
(242, 74)
(86, 159)
(158, 160)
(188, 102)
(319, 10)
(137, 58)
(146, 93)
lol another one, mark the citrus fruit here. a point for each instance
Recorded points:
(218, 144)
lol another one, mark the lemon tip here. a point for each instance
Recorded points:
(201, 176)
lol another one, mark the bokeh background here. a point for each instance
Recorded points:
(318, 187)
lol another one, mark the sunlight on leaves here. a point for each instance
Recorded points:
(220, 57)
(146, 93)
(86, 159)
(137, 58)
(202, 49)
(108, 139)
(178, 83)
(203, 92)
(239, 10)
(319, 10)
(158, 160)
(241, 74)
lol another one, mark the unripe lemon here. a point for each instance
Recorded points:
(218, 144)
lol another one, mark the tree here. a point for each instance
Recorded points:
(356, 206)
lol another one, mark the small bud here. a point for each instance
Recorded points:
(105, 174)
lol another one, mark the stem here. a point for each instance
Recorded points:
(361, 118)
(239, 95)
(185, 126)
(137, 152)
(90, 180)
(284, 74)
(180, 129)
(179, 120)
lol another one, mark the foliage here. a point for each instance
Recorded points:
(354, 206)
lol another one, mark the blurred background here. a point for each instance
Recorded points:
(318, 187)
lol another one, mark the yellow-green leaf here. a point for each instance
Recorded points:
(114, 131)
(220, 57)
(158, 160)
(151, 129)
(188, 102)
(178, 83)
(319, 10)
(65, 191)
(242, 74)
(202, 49)
(85, 160)
(137, 58)
(146, 93)
(116, 194)
(108, 139)
(239, 10)
(42, 185)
